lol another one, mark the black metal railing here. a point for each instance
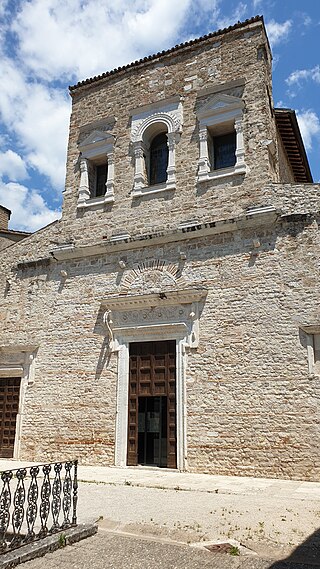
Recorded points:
(37, 501)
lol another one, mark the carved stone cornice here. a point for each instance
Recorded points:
(151, 300)
(154, 315)
(254, 218)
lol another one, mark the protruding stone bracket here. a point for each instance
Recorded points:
(107, 320)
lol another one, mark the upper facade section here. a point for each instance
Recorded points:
(186, 135)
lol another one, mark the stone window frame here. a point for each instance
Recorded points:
(313, 332)
(148, 121)
(222, 113)
(97, 148)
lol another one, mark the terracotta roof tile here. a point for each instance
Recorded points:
(165, 52)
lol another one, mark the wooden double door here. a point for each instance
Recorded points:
(152, 404)
(9, 406)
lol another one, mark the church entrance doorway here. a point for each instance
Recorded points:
(152, 437)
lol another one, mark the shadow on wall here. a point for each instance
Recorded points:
(305, 556)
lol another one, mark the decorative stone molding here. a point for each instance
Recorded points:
(18, 361)
(155, 311)
(84, 191)
(255, 217)
(146, 123)
(220, 112)
(153, 276)
(153, 317)
(98, 146)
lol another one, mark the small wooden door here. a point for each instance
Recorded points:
(9, 405)
(152, 404)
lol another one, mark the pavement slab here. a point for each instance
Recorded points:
(111, 551)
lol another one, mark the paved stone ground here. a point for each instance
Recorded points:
(106, 550)
(271, 517)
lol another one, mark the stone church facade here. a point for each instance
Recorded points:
(171, 317)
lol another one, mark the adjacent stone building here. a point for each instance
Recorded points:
(8, 236)
(171, 317)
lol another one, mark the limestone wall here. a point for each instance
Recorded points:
(251, 403)
(4, 242)
(4, 217)
(286, 173)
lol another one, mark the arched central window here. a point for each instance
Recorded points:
(159, 153)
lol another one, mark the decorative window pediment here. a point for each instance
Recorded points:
(96, 169)
(221, 138)
(95, 143)
(220, 103)
(164, 117)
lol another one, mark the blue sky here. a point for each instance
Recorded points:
(46, 45)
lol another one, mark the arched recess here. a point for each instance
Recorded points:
(146, 125)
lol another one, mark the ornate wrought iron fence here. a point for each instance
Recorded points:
(37, 501)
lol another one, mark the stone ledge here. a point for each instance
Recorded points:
(46, 545)
(252, 218)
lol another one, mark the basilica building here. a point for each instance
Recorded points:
(171, 317)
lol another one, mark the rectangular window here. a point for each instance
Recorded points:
(101, 178)
(313, 348)
(316, 352)
(224, 151)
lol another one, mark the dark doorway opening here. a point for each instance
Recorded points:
(152, 431)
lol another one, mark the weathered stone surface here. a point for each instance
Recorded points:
(32, 551)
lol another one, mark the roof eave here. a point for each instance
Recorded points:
(179, 47)
(291, 115)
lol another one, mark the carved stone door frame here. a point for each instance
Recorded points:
(152, 317)
(123, 393)
(18, 361)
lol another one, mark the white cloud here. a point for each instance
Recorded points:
(80, 38)
(296, 77)
(4, 6)
(39, 117)
(29, 211)
(238, 14)
(12, 166)
(201, 17)
(278, 32)
(309, 125)
(256, 4)
(76, 39)
(307, 21)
